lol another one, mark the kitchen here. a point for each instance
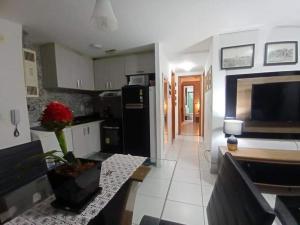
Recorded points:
(92, 88)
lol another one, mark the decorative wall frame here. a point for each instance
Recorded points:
(237, 57)
(281, 53)
(208, 80)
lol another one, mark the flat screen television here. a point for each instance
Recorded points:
(278, 102)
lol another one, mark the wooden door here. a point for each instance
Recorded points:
(202, 106)
(173, 95)
(166, 89)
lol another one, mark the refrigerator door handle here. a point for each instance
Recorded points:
(111, 128)
(134, 106)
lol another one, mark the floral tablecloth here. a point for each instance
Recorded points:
(115, 171)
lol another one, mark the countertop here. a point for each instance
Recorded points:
(77, 121)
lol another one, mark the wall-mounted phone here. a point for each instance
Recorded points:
(15, 120)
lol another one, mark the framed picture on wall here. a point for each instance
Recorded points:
(237, 57)
(281, 53)
(209, 79)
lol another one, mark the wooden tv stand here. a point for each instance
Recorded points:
(272, 171)
(264, 155)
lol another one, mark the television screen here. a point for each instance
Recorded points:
(276, 102)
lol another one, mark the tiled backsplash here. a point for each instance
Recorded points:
(78, 102)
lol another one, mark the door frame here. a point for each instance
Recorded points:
(181, 84)
(173, 100)
(166, 109)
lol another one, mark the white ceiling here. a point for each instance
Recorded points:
(178, 24)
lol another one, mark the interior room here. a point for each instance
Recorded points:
(149, 112)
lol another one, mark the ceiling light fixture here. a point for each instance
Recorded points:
(104, 16)
(187, 66)
(97, 46)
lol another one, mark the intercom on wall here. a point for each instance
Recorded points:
(15, 120)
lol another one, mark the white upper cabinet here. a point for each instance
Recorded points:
(86, 74)
(109, 73)
(140, 63)
(101, 78)
(63, 68)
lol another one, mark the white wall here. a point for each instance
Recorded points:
(161, 69)
(12, 85)
(259, 37)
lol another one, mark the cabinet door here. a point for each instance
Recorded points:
(116, 72)
(80, 144)
(131, 64)
(140, 63)
(86, 76)
(147, 62)
(65, 60)
(100, 74)
(93, 137)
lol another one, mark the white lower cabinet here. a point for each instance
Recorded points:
(86, 139)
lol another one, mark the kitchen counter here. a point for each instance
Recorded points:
(77, 121)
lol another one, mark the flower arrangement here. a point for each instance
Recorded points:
(67, 177)
(56, 117)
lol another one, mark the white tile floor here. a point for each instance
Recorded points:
(180, 187)
(183, 183)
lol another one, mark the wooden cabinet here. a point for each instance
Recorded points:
(140, 63)
(63, 68)
(86, 139)
(109, 73)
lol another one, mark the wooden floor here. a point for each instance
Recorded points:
(189, 128)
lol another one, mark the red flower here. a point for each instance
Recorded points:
(56, 116)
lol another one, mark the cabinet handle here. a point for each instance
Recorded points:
(140, 71)
(78, 84)
(81, 83)
(88, 130)
(110, 84)
(84, 131)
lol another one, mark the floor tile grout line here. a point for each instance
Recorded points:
(186, 203)
(198, 160)
(165, 201)
(202, 194)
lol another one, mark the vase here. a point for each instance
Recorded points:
(74, 191)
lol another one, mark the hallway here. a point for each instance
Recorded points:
(192, 182)
(190, 128)
(179, 189)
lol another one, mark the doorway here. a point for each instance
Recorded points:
(165, 111)
(190, 105)
(173, 104)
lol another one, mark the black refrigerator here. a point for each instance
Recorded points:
(136, 123)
